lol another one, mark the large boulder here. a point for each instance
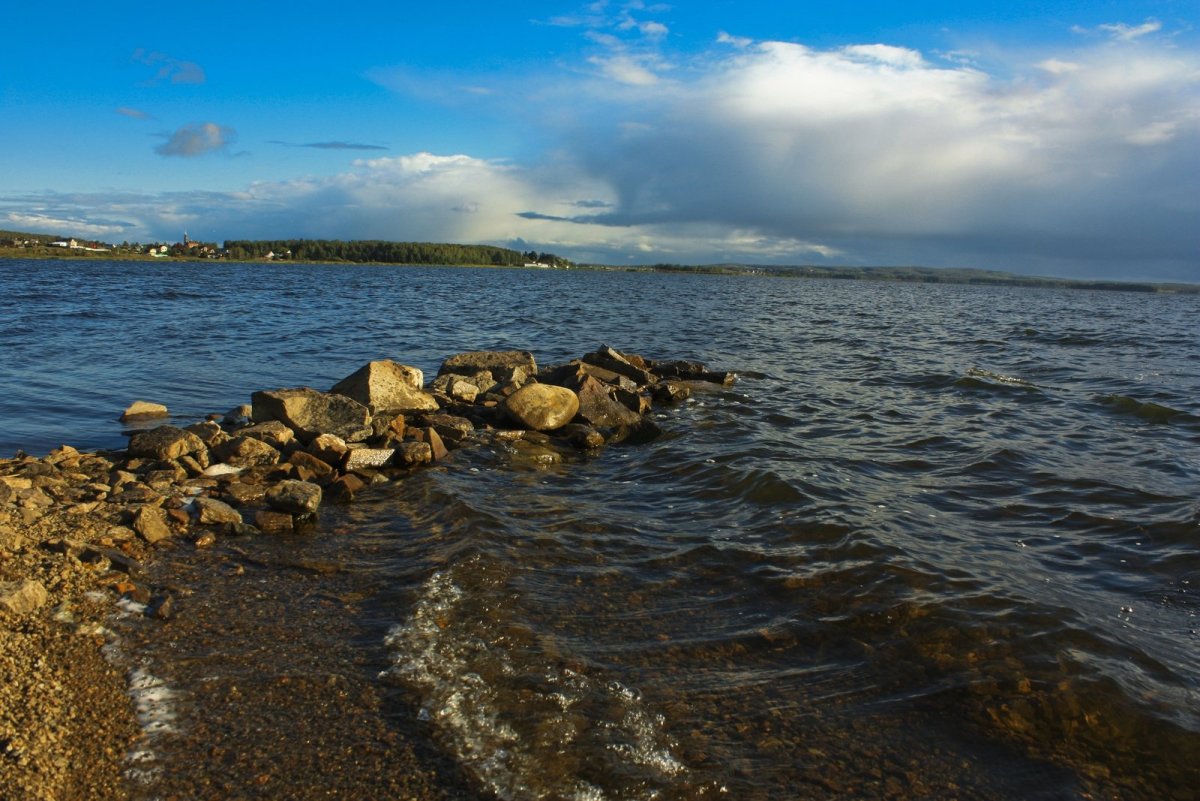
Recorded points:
(502, 364)
(598, 408)
(311, 413)
(386, 386)
(164, 443)
(542, 407)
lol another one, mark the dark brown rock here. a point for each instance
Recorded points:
(311, 413)
(244, 451)
(671, 392)
(294, 497)
(409, 454)
(272, 522)
(317, 468)
(611, 359)
(344, 488)
(598, 408)
(210, 511)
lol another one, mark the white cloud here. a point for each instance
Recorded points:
(1127, 33)
(736, 41)
(197, 139)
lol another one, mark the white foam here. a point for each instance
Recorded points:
(518, 723)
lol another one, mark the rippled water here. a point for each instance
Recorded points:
(938, 542)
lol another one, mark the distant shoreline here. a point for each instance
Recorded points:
(912, 275)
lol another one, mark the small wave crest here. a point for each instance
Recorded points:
(1147, 410)
(524, 720)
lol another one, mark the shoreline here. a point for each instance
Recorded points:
(77, 529)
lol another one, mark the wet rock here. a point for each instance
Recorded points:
(542, 407)
(272, 522)
(387, 386)
(151, 523)
(344, 488)
(368, 458)
(453, 429)
(162, 607)
(246, 451)
(240, 493)
(503, 365)
(410, 454)
(238, 415)
(318, 469)
(572, 375)
(272, 432)
(143, 410)
(210, 511)
(535, 454)
(617, 362)
(598, 408)
(583, 437)
(671, 392)
(294, 497)
(164, 443)
(437, 448)
(22, 597)
(329, 448)
(645, 431)
(311, 413)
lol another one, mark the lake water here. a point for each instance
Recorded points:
(937, 542)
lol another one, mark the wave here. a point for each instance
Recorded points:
(525, 718)
(1146, 410)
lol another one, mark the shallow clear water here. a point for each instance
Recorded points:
(938, 542)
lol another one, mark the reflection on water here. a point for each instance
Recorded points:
(940, 542)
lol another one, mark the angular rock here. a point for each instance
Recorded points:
(238, 415)
(386, 386)
(581, 436)
(617, 362)
(671, 392)
(143, 410)
(311, 413)
(294, 497)
(211, 512)
(437, 448)
(272, 432)
(151, 523)
(240, 493)
(542, 407)
(453, 429)
(329, 448)
(368, 458)
(318, 468)
(164, 443)
(344, 488)
(246, 452)
(598, 408)
(409, 454)
(501, 364)
(22, 597)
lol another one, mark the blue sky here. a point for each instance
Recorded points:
(1048, 137)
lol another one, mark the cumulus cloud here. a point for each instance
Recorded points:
(197, 139)
(169, 68)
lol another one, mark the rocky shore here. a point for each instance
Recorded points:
(76, 528)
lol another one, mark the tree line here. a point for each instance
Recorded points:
(378, 251)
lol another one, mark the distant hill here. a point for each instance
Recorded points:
(923, 275)
(8, 236)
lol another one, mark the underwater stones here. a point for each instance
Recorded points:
(272, 522)
(311, 413)
(164, 443)
(542, 407)
(294, 497)
(143, 410)
(385, 385)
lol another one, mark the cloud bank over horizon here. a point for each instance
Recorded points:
(1081, 161)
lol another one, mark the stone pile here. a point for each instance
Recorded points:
(267, 467)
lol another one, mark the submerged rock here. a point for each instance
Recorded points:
(143, 410)
(542, 407)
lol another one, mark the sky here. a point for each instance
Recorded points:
(1054, 137)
